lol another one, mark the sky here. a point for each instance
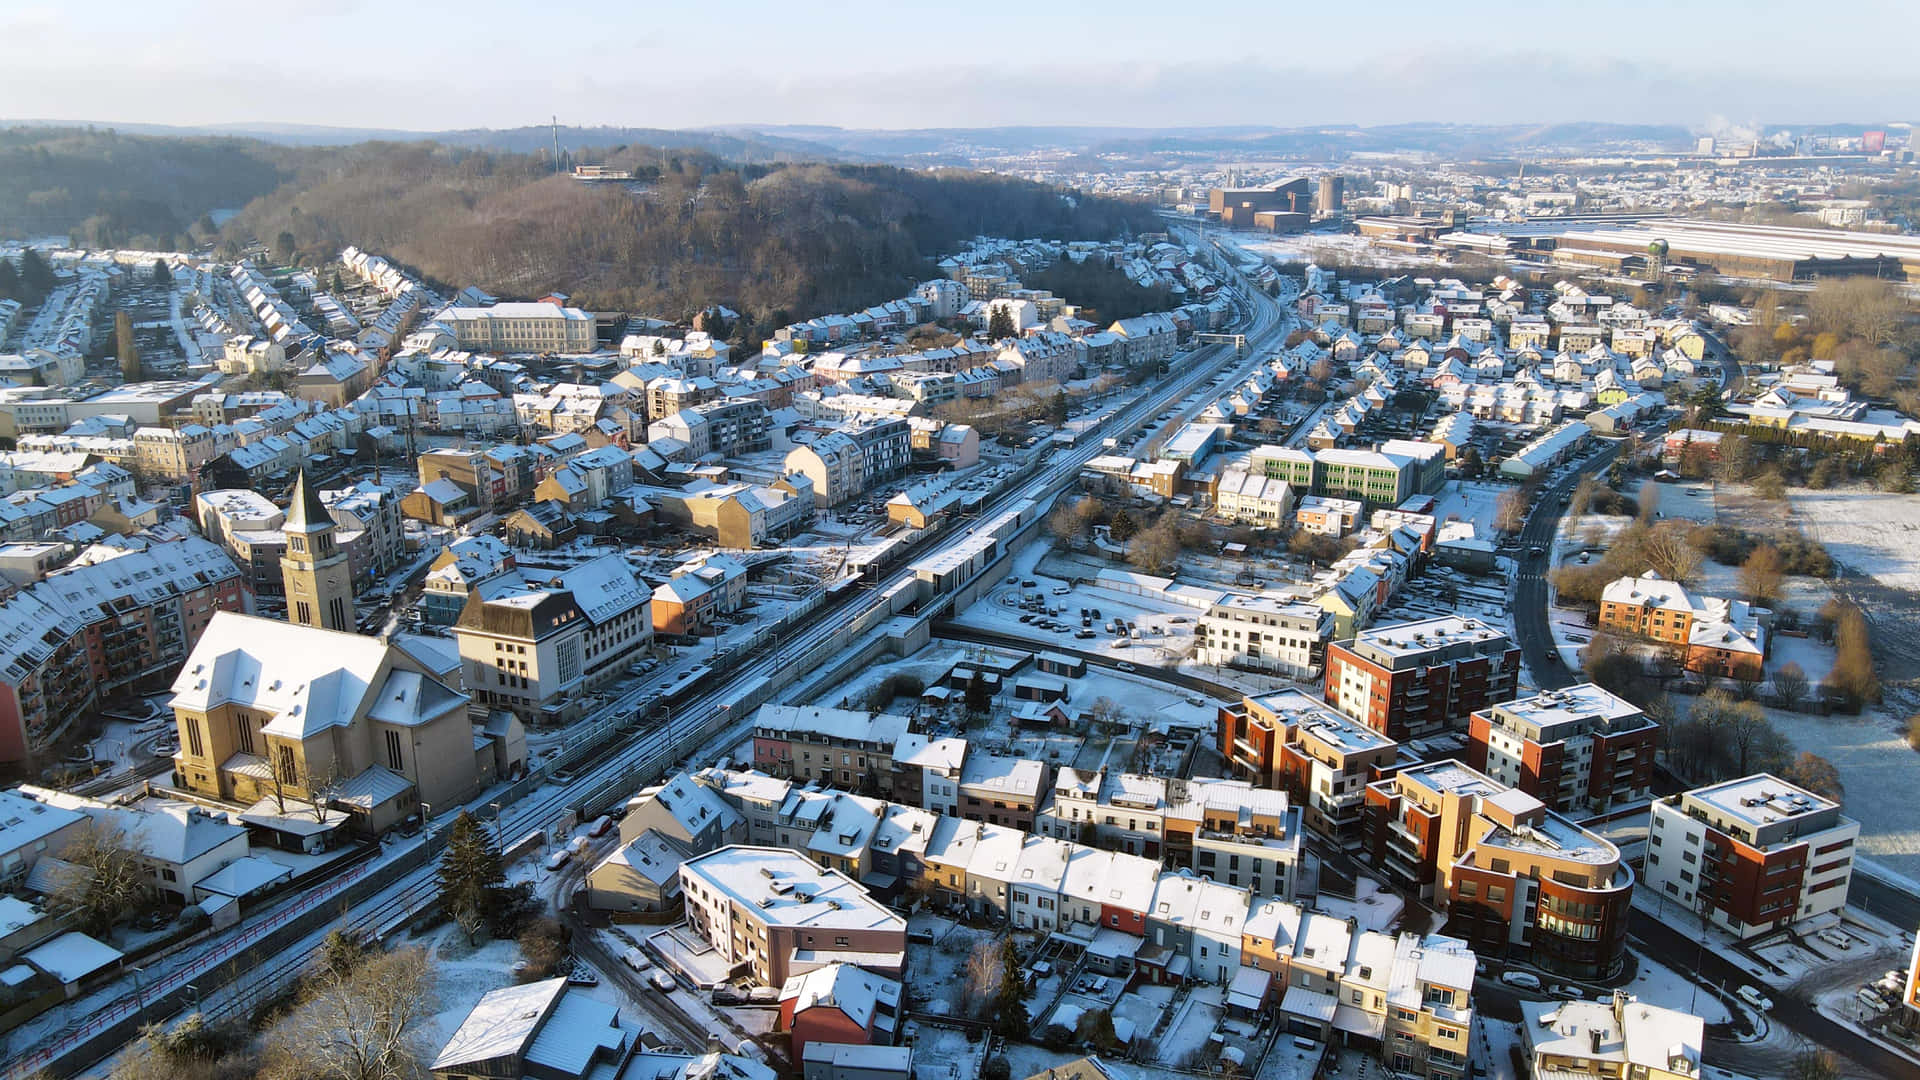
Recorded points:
(424, 65)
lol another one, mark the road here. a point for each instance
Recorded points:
(1678, 950)
(708, 715)
(1530, 622)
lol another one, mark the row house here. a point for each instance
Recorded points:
(840, 747)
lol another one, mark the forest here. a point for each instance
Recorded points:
(776, 241)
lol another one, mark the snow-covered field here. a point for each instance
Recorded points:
(1870, 532)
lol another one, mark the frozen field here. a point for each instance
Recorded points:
(1875, 537)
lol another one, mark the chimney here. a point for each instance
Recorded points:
(1593, 1041)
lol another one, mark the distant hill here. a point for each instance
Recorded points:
(774, 241)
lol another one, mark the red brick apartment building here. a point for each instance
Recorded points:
(1580, 750)
(1416, 679)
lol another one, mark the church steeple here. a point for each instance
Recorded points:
(306, 512)
(314, 570)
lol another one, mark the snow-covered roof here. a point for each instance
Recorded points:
(867, 999)
(72, 956)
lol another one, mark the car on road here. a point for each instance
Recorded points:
(662, 982)
(1521, 980)
(1754, 998)
(558, 859)
(635, 959)
(1125, 666)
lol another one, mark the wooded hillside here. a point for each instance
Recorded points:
(775, 241)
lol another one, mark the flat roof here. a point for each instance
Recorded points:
(786, 888)
(1559, 714)
(1760, 799)
(1426, 635)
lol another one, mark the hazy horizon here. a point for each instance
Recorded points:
(436, 67)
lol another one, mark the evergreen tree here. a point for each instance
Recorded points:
(470, 874)
(158, 273)
(35, 272)
(979, 698)
(1058, 409)
(1000, 324)
(1123, 527)
(1009, 1005)
(10, 285)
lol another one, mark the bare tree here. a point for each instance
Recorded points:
(368, 1023)
(1511, 514)
(102, 880)
(1790, 686)
(1668, 551)
(983, 973)
(1816, 774)
(1649, 503)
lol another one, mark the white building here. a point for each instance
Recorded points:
(1264, 632)
(1756, 853)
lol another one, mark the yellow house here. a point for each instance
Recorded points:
(310, 729)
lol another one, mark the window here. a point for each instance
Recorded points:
(194, 745)
(289, 772)
(395, 759)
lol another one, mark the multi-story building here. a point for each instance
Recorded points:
(1710, 635)
(1754, 854)
(1514, 877)
(1265, 633)
(1252, 498)
(1366, 475)
(520, 328)
(1414, 679)
(174, 453)
(112, 618)
(844, 464)
(1321, 758)
(759, 906)
(271, 714)
(538, 649)
(374, 510)
(1621, 1038)
(837, 747)
(726, 428)
(1236, 834)
(1579, 749)
(1193, 929)
(696, 592)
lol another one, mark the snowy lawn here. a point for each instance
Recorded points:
(1657, 984)
(1871, 532)
(1874, 762)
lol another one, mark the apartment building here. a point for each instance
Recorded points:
(841, 748)
(926, 772)
(520, 328)
(688, 601)
(537, 649)
(1193, 930)
(1514, 877)
(1415, 679)
(844, 464)
(725, 428)
(1264, 633)
(1329, 516)
(1321, 758)
(760, 906)
(1713, 636)
(1757, 853)
(113, 618)
(1580, 750)
(1236, 834)
(174, 453)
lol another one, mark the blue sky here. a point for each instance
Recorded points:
(427, 65)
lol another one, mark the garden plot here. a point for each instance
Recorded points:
(936, 974)
(944, 1053)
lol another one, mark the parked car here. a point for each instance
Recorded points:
(662, 982)
(601, 826)
(558, 859)
(1126, 666)
(1521, 980)
(636, 959)
(1754, 998)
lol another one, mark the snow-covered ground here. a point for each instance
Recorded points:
(1870, 532)
(1657, 984)
(1465, 500)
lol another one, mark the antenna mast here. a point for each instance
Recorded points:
(556, 143)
